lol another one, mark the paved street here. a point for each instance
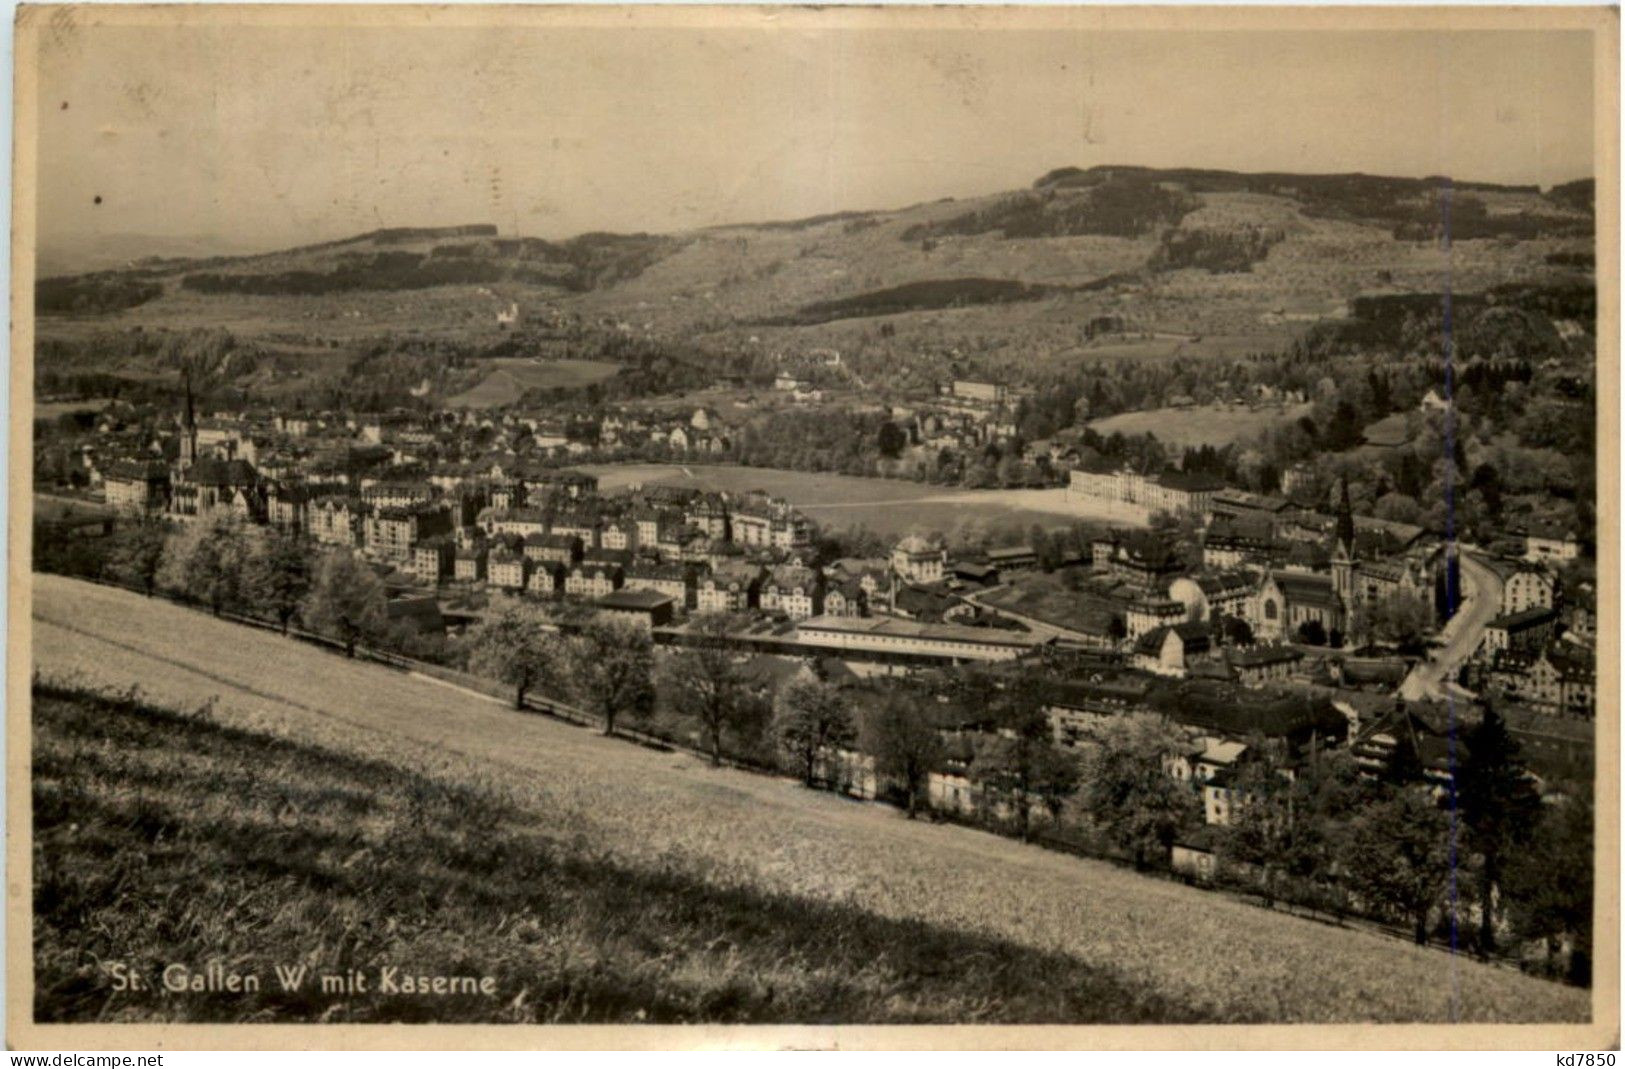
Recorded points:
(1481, 602)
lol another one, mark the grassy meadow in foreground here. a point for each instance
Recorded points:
(166, 838)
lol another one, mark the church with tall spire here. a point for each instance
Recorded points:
(187, 429)
(1345, 551)
(201, 484)
(1291, 599)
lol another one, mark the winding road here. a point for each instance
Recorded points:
(1433, 679)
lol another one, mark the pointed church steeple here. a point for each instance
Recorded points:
(1343, 558)
(1345, 522)
(188, 453)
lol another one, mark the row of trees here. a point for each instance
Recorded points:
(607, 667)
(229, 566)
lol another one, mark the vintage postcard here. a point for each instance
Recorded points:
(755, 526)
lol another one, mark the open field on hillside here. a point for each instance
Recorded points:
(598, 803)
(444, 311)
(49, 410)
(1215, 425)
(886, 506)
(1170, 346)
(512, 376)
(798, 487)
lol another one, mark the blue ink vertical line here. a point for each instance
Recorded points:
(1452, 598)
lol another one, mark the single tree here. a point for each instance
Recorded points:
(1398, 857)
(903, 737)
(1401, 618)
(346, 600)
(137, 553)
(1548, 883)
(614, 671)
(516, 645)
(1329, 788)
(892, 440)
(1499, 808)
(205, 561)
(1057, 775)
(809, 717)
(1234, 630)
(1019, 766)
(704, 681)
(278, 576)
(1127, 792)
(1263, 823)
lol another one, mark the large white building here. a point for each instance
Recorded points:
(1528, 588)
(919, 560)
(890, 634)
(1173, 492)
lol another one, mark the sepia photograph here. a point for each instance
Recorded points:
(695, 519)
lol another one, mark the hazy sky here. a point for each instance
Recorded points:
(272, 135)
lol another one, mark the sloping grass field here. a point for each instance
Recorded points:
(352, 816)
(280, 845)
(510, 377)
(1215, 425)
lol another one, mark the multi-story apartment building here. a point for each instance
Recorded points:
(468, 565)
(1148, 559)
(285, 508)
(547, 577)
(594, 579)
(676, 581)
(919, 560)
(732, 588)
(388, 495)
(135, 486)
(709, 514)
(620, 535)
(390, 533)
(846, 599)
(1522, 633)
(335, 521)
(432, 560)
(519, 522)
(1528, 588)
(578, 525)
(505, 569)
(560, 548)
(796, 592)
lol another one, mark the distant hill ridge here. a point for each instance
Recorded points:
(1105, 230)
(1575, 194)
(1211, 180)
